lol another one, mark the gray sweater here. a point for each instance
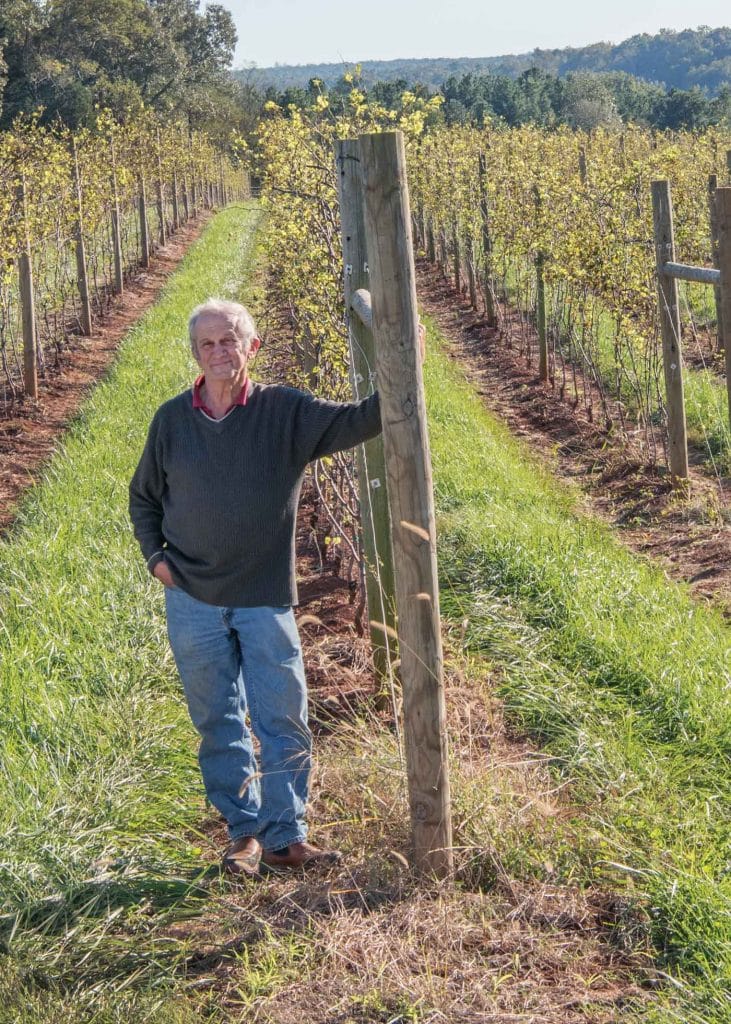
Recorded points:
(218, 498)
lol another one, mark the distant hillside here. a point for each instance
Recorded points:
(700, 57)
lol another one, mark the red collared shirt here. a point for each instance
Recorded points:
(198, 402)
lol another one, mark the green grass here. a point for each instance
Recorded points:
(97, 783)
(614, 669)
(622, 678)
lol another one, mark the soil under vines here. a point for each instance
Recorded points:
(688, 535)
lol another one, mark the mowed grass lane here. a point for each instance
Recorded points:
(97, 781)
(614, 669)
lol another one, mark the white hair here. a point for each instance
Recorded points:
(243, 322)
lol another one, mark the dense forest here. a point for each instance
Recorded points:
(676, 60)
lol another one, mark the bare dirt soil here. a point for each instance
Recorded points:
(689, 535)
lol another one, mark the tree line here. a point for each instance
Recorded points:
(676, 60)
(66, 59)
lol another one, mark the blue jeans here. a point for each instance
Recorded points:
(234, 660)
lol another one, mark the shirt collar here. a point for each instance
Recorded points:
(198, 402)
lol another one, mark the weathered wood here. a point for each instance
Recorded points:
(667, 287)
(116, 228)
(723, 218)
(160, 190)
(541, 318)
(82, 279)
(443, 257)
(176, 201)
(457, 258)
(713, 219)
(144, 231)
(488, 286)
(431, 250)
(408, 464)
(541, 301)
(360, 303)
(686, 272)
(373, 490)
(186, 199)
(27, 300)
(471, 271)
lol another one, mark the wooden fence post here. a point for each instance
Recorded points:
(82, 279)
(176, 204)
(541, 301)
(375, 522)
(667, 287)
(723, 219)
(144, 233)
(116, 228)
(431, 251)
(443, 261)
(712, 186)
(457, 258)
(27, 302)
(471, 271)
(408, 464)
(186, 200)
(159, 187)
(490, 312)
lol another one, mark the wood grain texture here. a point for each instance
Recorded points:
(667, 288)
(723, 221)
(373, 489)
(408, 463)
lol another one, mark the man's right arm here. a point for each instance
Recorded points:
(146, 491)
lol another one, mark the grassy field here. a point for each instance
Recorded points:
(97, 782)
(580, 863)
(619, 674)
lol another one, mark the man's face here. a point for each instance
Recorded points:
(219, 351)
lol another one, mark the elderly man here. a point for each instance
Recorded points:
(213, 503)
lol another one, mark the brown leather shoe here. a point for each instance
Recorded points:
(242, 856)
(299, 855)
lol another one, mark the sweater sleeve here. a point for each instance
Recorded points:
(324, 427)
(145, 497)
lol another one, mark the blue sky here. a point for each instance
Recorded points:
(314, 31)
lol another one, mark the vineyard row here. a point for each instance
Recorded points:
(78, 215)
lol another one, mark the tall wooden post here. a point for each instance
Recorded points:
(667, 287)
(27, 301)
(541, 300)
(176, 204)
(160, 189)
(408, 464)
(443, 252)
(490, 313)
(144, 232)
(374, 517)
(431, 251)
(116, 228)
(82, 279)
(712, 186)
(723, 219)
(186, 200)
(456, 253)
(471, 271)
